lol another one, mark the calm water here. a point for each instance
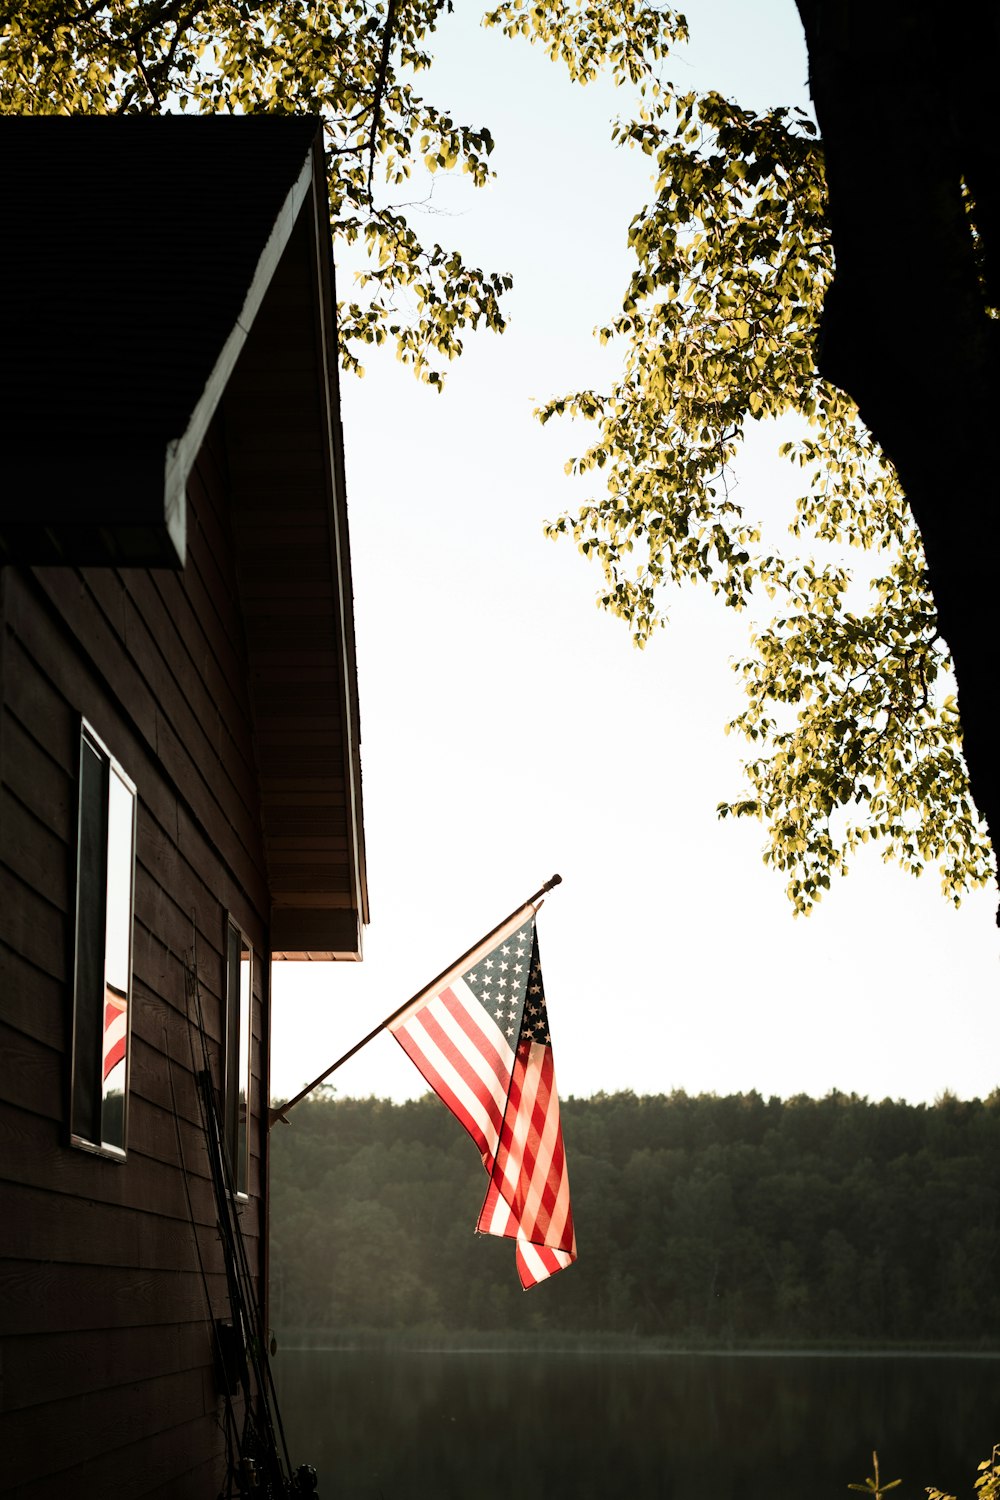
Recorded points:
(414, 1426)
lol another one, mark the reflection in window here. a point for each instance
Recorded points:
(103, 954)
(239, 992)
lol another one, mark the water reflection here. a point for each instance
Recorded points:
(407, 1426)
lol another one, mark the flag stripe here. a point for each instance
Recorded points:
(491, 1055)
(510, 1157)
(464, 1106)
(460, 1055)
(115, 1032)
(542, 1189)
(480, 1028)
(536, 1262)
(532, 1187)
(438, 1025)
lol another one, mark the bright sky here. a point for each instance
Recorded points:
(510, 729)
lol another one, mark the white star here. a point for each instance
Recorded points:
(505, 949)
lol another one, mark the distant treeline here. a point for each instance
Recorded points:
(713, 1220)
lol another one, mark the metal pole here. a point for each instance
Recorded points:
(281, 1111)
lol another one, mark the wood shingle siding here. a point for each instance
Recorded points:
(104, 1250)
(218, 680)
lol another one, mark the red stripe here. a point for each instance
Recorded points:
(549, 1260)
(512, 1193)
(432, 1026)
(556, 1186)
(114, 1057)
(511, 1112)
(553, 1184)
(444, 1093)
(428, 1037)
(114, 1010)
(486, 1212)
(479, 1038)
(544, 1102)
(549, 1189)
(533, 1136)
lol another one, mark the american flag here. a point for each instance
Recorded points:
(481, 1039)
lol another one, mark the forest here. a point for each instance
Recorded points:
(701, 1221)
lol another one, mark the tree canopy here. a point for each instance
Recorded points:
(326, 56)
(850, 715)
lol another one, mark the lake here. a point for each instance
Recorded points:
(408, 1425)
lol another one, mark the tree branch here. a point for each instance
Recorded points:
(383, 69)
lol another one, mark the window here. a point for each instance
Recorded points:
(236, 1092)
(102, 983)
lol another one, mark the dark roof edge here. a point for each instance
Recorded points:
(182, 452)
(342, 559)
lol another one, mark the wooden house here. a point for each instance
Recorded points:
(179, 763)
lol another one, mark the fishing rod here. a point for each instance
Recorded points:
(217, 1334)
(264, 1468)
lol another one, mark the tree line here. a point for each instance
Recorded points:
(721, 1220)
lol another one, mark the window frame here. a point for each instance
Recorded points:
(98, 945)
(240, 963)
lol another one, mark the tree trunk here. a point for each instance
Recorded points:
(901, 99)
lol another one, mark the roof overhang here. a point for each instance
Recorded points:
(137, 252)
(281, 411)
(180, 270)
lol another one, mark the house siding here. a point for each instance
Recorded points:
(109, 1269)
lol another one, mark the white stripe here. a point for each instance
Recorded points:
(502, 1220)
(543, 1163)
(561, 1207)
(560, 1212)
(533, 1260)
(115, 1032)
(519, 1134)
(492, 1036)
(449, 1075)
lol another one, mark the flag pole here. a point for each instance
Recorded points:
(281, 1111)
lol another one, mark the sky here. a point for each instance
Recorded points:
(509, 728)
